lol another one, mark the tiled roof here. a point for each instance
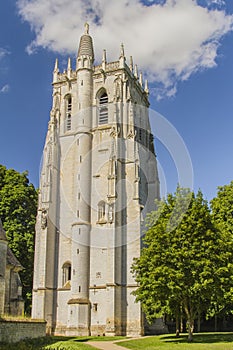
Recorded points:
(12, 260)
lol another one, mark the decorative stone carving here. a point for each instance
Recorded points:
(131, 134)
(114, 132)
(44, 219)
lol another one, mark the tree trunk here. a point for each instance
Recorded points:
(181, 324)
(190, 319)
(181, 320)
(190, 330)
(177, 326)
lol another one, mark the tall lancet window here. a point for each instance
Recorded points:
(101, 211)
(103, 109)
(68, 112)
(66, 272)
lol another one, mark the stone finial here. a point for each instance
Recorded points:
(86, 26)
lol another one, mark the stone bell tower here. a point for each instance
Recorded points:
(98, 181)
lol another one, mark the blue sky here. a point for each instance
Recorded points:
(184, 47)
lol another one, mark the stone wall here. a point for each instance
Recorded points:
(14, 331)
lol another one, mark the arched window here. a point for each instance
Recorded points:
(68, 107)
(103, 109)
(66, 272)
(101, 211)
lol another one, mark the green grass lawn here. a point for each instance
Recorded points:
(202, 341)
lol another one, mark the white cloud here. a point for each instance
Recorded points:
(169, 39)
(219, 3)
(5, 89)
(3, 53)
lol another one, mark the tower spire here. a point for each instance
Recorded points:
(85, 50)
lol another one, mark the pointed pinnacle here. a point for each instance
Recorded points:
(122, 51)
(140, 79)
(104, 56)
(136, 71)
(69, 64)
(131, 63)
(146, 86)
(56, 69)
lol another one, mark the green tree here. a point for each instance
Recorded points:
(186, 264)
(222, 208)
(222, 216)
(18, 206)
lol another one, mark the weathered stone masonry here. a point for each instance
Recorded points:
(99, 179)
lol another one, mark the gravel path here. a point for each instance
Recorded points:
(106, 345)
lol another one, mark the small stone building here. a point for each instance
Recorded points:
(11, 301)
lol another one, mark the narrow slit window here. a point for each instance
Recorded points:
(69, 104)
(68, 112)
(68, 122)
(101, 211)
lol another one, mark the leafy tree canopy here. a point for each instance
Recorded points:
(18, 206)
(186, 263)
(222, 216)
(222, 208)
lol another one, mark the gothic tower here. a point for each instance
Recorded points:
(98, 181)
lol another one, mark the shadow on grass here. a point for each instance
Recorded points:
(31, 344)
(200, 338)
(81, 340)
